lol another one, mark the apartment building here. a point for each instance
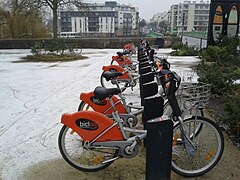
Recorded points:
(189, 16)
(159, 17)
(107, 19)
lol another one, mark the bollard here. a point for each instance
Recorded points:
(138, 52)
(153, 108)
(144, 64)
(145, 70)
(148, 89)
(151, 54)
(142, 60)
(159, 149)
(142, 56)
(146, 77)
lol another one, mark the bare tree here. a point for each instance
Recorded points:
(142, 23)
(163, 26)
(23, 8)
(17, 16)
(54, 5)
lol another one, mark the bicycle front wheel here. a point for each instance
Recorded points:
(209, 143)
(88, 160)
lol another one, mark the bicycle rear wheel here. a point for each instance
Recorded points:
(209, 143)
(88, 160)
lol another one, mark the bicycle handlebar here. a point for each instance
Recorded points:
(170, 82)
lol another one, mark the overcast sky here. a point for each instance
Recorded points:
(147, 8)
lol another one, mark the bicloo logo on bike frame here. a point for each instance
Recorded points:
(98, 101)
(86, 124)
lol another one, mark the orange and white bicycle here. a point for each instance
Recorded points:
(91, 141)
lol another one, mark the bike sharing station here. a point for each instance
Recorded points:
(158, 155)
(106, 128)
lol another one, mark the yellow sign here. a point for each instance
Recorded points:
(218, 16)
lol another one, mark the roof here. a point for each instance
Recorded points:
(202, 35)
(154, 35)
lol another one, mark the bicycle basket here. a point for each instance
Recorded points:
(194, 94)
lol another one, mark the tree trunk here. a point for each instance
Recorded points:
(55, 20)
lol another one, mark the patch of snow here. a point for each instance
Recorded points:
(35, 95)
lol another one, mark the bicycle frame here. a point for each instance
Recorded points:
(122, 60)
(98, 131)
(103, 106)
(127, 77)
(106, 108)
(92, 126)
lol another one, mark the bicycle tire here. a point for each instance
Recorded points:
(168, 112)
(41, 51)
(113, 62)
(108, 84)
(186, 165)
(81, 158)
(84, 106)
(77, 51)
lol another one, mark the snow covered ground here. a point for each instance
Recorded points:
(33, 96)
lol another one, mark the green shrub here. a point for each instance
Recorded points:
(232, 107)
(231, 44)
(214, 54)
(220, 66)
(220, 78)
(35, 50)
(177, 46)
(181, 49)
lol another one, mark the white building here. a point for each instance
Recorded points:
(189, 16)
(101, 19)
(159, 17)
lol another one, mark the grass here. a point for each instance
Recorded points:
(52, 58)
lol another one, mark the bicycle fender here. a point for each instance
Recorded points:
(90, 124)
(116, 68)
(122, 60)
(104, 106)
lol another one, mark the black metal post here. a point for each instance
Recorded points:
(148, 89)
(143, 64)
(153, 108)
(143, 60)
(144, 70)
(147, 77)
(159, 149)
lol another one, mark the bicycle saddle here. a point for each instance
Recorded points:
(108, 75)
(102, 92)
(123, 53)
